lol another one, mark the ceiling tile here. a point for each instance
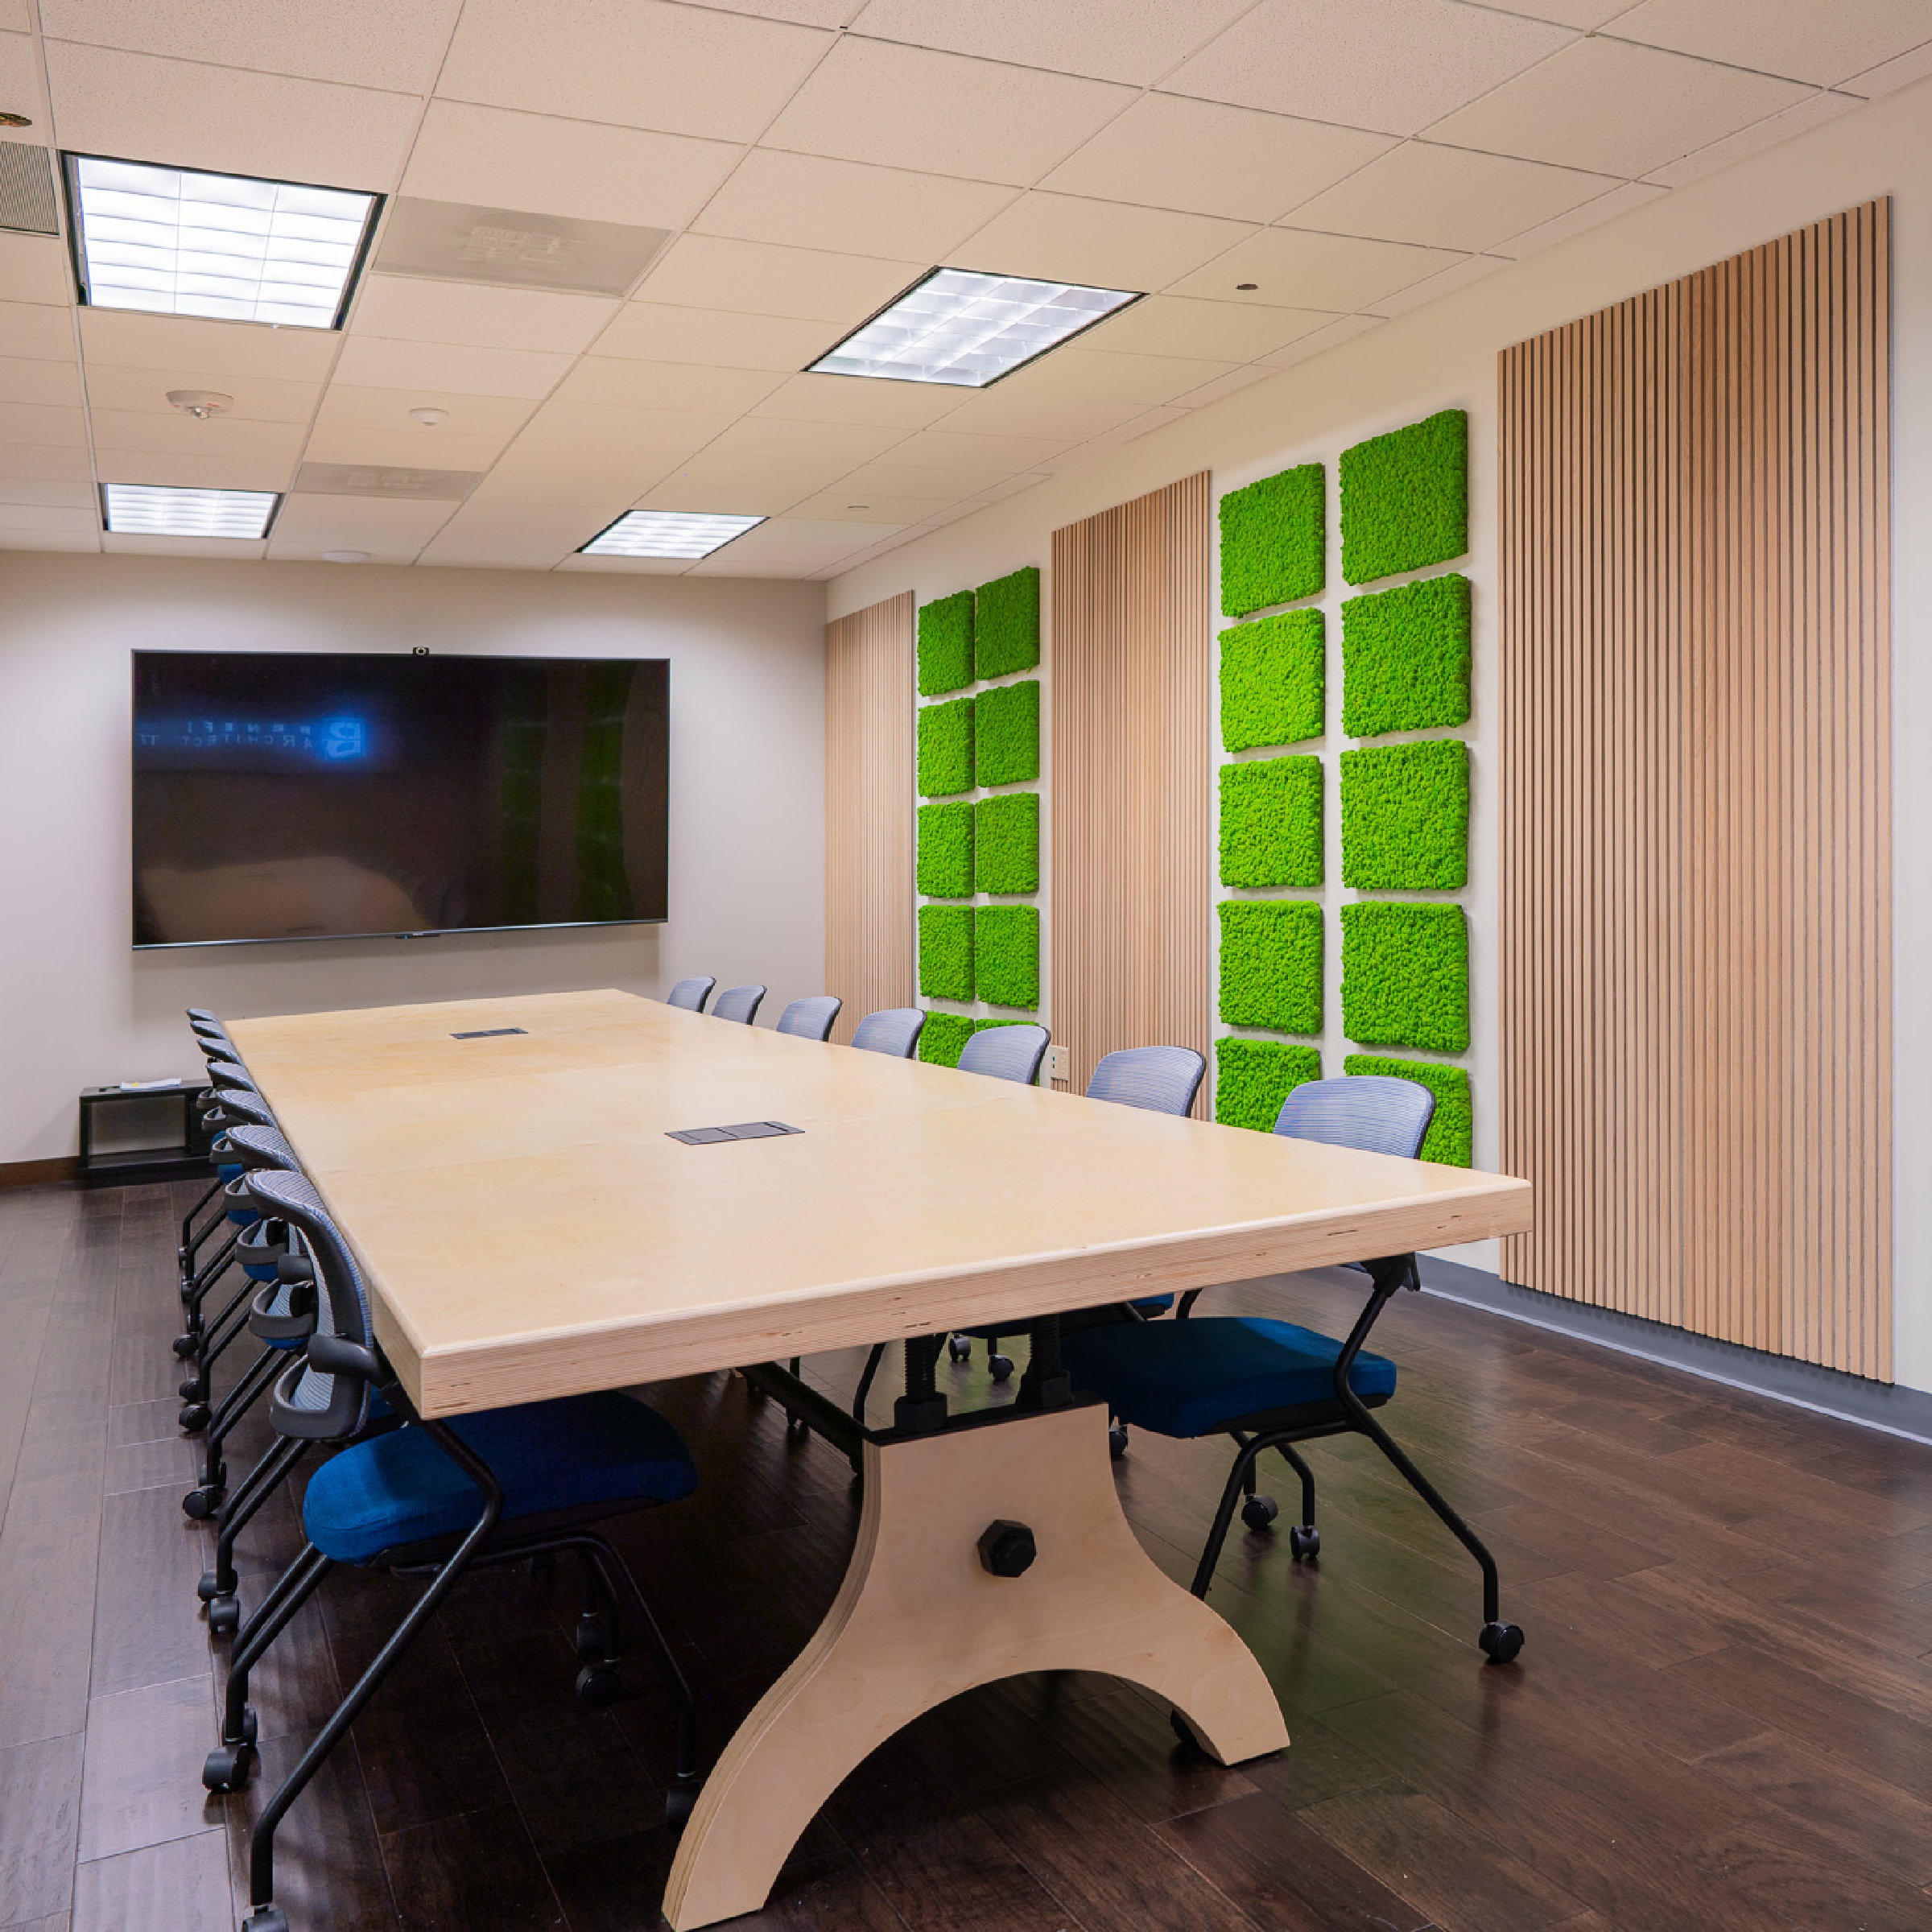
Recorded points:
(848, 207)
(807, 398)
(947, 449)
(680, 385)
(46, 539)
(191, 472)
(493, 554)
(840, 443)
(62, 424)
(16, 16)
(1235, 381)
(654, 332)
(1619, 110)
(1131, 40)
(78, 522)
(763, 495)
(845, 533)
(228, 351)
(1823, 106)
(167, 431)
(1584, 15)
(40, 331)
(1592, 214)
(33, 268)
(1472, 268)
(1344, 329)
(182, 113)
(351, 405)
(1029, 404)
(1217, 332)
(1394, 65)
(873, 505)
(757, 277)
(488, 508)
(43, 463)
(22, 381)
(1208, 158)
(414, 448)
(909, 107)
(547, 472)
(554, 167)
(377, 362)
(1892, 75)
(806, 13)
(771, 476)
(392, 531)
(683, 70)
(226, 549)
(1806, 39)
(389, 44)
(1104, 374)
(66, 495)
(257, 398)
(935, 483)
(20, 80)
(1295, 270)
(630, 567)
(563, 427)
(1448, 197)
(1106, 244)
(478, 317)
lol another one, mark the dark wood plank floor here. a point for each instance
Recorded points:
(1722, 1720)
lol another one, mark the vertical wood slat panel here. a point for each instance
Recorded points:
(1131, 778)
(1695, 572)
(870, 950)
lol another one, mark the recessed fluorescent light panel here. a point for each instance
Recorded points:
(228, 246)
(958, 327)
(153, 509)
(667, 533)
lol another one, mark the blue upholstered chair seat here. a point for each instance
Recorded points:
(1202, 1375)
(400, 1489)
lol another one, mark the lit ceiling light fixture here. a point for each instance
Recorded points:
(229, 246)
(958, 327)
(155, 509)
(667, 533)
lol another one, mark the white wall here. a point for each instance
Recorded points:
(747, 799)
(1444, 355)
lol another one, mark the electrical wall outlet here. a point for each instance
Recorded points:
(1059, 1063)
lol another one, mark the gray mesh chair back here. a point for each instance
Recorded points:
(1007, 1053)
(261, 1148)
(810, 1019)
(894, 1030)
(691, 994)
(1374, 1112)
(1163, 1079)
(739, 1003)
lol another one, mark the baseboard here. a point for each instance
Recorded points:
(37, 1173)
(1851, 1398)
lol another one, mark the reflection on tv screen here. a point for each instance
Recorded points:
(279, 796)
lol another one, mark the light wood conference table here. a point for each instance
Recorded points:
(528, 1229)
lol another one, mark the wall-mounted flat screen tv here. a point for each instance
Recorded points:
(292, 796)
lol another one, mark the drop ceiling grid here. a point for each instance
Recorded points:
(809, 159)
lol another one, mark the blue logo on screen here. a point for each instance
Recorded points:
(338, 740)
(344, 738)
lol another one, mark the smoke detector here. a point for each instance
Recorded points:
(200, 403)
(430, 418)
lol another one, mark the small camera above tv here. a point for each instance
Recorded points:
(282, 795)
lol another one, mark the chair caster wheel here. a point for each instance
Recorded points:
(594, 1645)
(201, 1503)
(227, 1768)
(266, 1918)
(193, 1390)
(185, 1345)
(211, 1586)
(224, 1614)
(194, 1417)
(959, 1348)
(678, 1800)
(1259, 1512)
(1116, 1440)
(599, 1685)
(1501, 1641)
(1000, 1367)
(1304, 1542)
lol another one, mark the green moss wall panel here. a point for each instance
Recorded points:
(945, 864)
(1252, 1077)
(1406, 658)
(946, 644)
(1006, 624)
(1007, 843)
(1405, 975)
(1006, 954)
(1274, 541)
(945, 749)
(1450, 1138)
(1272, 681)
(1271, 822)
(1008, 733)
(1405, 816)
(1271, 964)
(1405, 498)
(946, 952)
(943, 1037)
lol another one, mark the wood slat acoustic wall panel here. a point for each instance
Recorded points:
(869, 945)
(1131, 778)
(1695, 566)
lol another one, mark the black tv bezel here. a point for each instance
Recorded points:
(426, 932)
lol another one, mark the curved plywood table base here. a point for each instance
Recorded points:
(918, 1620)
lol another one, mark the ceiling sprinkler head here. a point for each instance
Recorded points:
(200, 403)
(430, 418)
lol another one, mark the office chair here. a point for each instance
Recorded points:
(738, 1003)
(893, 1029)
(810, 1019)
(1006, 1053)
(498, 1486)
(1271, 1384)
(691, 994)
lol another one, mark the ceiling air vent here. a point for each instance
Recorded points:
(458, 242)
(27, 189)
(373, 480)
